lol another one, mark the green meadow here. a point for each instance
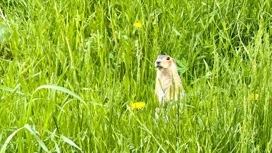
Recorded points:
(71, 70)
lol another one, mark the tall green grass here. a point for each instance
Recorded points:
(71, 69)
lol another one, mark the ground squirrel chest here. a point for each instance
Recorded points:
(168, 84)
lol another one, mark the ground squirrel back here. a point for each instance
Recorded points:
(168, 83)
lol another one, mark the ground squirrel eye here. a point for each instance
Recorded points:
(168, 58)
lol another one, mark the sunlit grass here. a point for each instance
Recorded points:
(74, 74)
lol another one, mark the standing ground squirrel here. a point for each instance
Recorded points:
(168, 83)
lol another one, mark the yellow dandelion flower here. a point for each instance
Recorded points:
(138, 24)
(253, 96)
(137, 105)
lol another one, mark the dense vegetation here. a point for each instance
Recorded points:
(70, 71)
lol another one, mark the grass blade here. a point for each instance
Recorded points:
(70, 142)
(15, 90)
(36, 137)
(4, 147)
(64, 90)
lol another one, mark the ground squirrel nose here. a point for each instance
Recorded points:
(158, 62)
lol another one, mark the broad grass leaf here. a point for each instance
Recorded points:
(36, 137)
(15, 90)
(70, 142)
(62, 89)
(4, 147)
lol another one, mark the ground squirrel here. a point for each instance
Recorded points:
(168, 83)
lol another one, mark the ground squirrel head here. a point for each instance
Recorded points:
(164, 62)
